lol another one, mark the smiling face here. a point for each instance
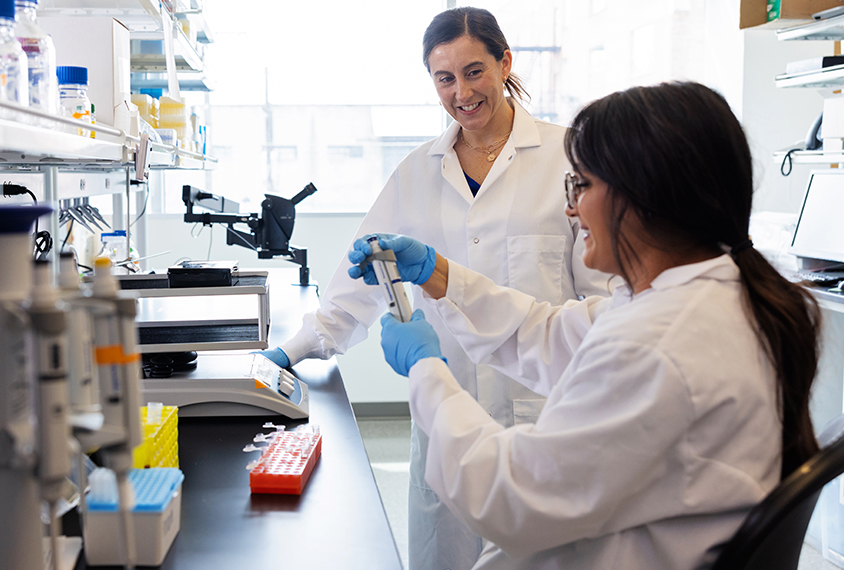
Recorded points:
(593, 208)
(470, 84)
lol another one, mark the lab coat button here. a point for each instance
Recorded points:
(476, 240)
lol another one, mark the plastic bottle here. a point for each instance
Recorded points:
(73, 94)
(41, 58)
(14, 86)
(115, 249)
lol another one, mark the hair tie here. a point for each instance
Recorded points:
(739, 247)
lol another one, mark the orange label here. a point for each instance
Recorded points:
(108, 355)
(259, 384)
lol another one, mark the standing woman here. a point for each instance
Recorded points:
(673, 407)
(483, 193)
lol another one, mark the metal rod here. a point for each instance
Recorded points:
(60, 119)
(51, 197)
(128, 209)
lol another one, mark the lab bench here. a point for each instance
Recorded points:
(337, 523)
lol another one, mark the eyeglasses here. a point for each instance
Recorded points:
(574, 188)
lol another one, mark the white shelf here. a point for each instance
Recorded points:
(25, 142)
(187, 59)
(146, 21)
(137, 15)
(811, 157)
(821, 78)
(829, 29)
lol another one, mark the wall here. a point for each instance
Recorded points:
(367, 376)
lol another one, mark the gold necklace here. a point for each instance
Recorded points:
(489, 149)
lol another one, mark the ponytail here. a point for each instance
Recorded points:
(787, 319)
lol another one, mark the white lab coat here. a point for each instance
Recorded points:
(659, 433)
(515, 232)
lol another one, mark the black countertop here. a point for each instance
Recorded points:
(337, 523)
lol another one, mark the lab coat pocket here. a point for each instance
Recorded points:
(535, 265)
(527, 411)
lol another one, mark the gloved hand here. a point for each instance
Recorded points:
(406, 343)
(414, 260)
(275, 355)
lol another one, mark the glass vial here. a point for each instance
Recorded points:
(73, 94)
(41, 58)
(14, 84)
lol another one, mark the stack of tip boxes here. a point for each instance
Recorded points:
(286, 463)
(161, 440)
(156, 519)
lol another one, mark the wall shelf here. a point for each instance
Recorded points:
(829, 29)
(23, 144)
(147, 20)
(811, 157)
(821, 78)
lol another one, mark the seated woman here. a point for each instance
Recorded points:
(673, 407)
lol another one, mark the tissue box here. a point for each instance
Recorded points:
(156, 518)
(781, 13)
(102, 45)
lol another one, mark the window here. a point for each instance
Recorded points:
(335, 92)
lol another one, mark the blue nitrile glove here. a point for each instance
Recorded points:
(276, 355)
(414, 260)
(405, 344)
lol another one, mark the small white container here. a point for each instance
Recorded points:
(156, 518)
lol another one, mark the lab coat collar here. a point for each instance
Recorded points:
(525, 133)
(721, 268)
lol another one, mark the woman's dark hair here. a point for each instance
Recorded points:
(477, 23)
(675, 156)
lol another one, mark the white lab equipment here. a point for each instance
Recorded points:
(84, 391)
(117, 360)
(20, 525)
(49, 324)
(389, 281)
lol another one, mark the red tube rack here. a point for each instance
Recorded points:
(286, 463)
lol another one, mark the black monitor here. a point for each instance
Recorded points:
(819, 236)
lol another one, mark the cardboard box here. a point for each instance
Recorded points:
(102, 45)
(781, 13)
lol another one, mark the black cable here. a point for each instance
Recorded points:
(788, 158)
(144, 209)
(43, 244)
(10, 189)
(210, 243)
(69, 229)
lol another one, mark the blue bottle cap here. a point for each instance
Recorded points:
(157, 93)
(68, 74)
(7, 9)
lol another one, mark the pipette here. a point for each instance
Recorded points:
(389, 280)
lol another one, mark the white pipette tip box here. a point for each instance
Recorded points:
(156, 518)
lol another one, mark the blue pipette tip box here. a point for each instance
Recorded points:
(156, 518)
